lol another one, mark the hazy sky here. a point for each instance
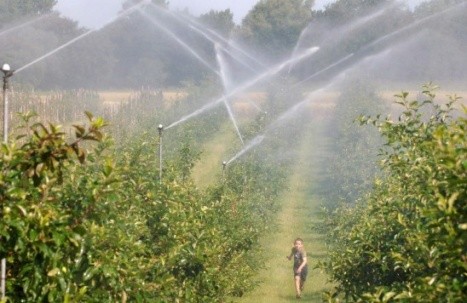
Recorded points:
(93, 13)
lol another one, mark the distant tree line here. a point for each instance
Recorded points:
(135, 51)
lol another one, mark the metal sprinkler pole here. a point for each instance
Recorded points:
(224, 165)
(3, 278)
(160, 128)
(7, 73)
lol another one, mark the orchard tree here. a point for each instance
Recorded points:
(405, 241)
(13, 9)
(128, 3)
(220, 21)
(435, 6)
(274, 26)
(342, 11)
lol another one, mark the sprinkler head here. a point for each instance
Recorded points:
(224, 164)
(160, 128)
(6, 69)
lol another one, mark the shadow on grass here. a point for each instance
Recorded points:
(316, 297)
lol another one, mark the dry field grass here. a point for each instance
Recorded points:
(114, 96)
(122, 96)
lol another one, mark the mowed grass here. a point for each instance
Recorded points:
(209, 168)
(300, 213)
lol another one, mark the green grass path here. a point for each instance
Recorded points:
(300, 211)
(209, 168)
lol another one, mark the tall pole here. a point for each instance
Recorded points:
(224, 165)
(3, 278)
(160, 128)
(7, 73)
(5, 109)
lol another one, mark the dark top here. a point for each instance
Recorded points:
(298, 256)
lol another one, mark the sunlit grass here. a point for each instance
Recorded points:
(209, 167)
(300, 211)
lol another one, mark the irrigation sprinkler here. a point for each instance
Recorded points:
(3, 279)
(160, 128)
(7, 73)
(224, 166)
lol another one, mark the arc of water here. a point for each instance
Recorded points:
(325, 69)
(209, 34)
(343, 30)
(412, 25)
(274, 70)
(122, 14)
(196, 112)
(284, 116)
(383, 38)
(255, 105)
(232, 117)
(257, 140)
(297, 45)
(203, 29)
(24, 24)
(178, 40)
(55, 50)
(224, 49)
(287, 114)
(223, 68)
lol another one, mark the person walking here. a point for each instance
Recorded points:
(300, 267)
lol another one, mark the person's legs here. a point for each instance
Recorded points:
(303, 276)
(297, 285)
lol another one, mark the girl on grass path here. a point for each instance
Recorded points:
(300, 267)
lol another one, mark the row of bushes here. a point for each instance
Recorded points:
(96, 225)
(406, 240)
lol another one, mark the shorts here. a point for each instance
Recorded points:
(302, 274)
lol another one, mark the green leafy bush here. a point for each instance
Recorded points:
(406, 242)
(95, 224)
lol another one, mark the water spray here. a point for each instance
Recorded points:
(23, 24)
(252, 143)
(210, 35)
(223, 74)
(122, 14)
(178, 40)
(160, 129)
(325, 69)
(272, 71)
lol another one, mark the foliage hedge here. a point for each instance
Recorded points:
(352, 162)
(82, 222)
(406, 241)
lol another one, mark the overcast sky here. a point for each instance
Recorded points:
(94, 13)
